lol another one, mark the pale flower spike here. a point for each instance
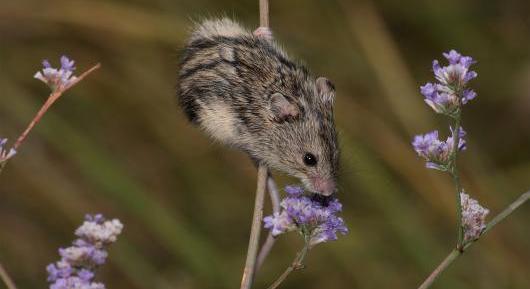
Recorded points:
(473, 218)
(78, 264)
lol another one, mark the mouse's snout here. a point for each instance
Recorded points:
(323, 186)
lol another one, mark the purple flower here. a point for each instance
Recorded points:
(450, 92)
(452, 56)
(294, 191)
(5, 154)
(57, 79)
(468, 95)
(279, 223)
(473, 217)
(317, 223)
(78, 263)
(437, 153)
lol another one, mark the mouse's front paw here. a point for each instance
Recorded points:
(263, 32)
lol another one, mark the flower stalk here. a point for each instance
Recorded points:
(448, 97)
(297, 264)
(59, 81)
(455, 253)
(54, 96)
(456, 179)
(253, 244)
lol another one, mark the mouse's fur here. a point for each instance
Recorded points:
(244, 91)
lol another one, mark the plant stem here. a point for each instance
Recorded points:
(253, 244)
(295, 265)
(456, 180)
(264, 13)
(436, 273)
(7, 280)
(506, 212)
(458, 252)
(263, 174)
(269, 242)
(52, 98)
(49, 102)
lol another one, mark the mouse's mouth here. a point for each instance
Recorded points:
(322, 200)
(322, 186)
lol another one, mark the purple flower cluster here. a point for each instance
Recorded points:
(450, 92)
(436, 152)
(5, 154)
(316, 222)
(76, 269)
(57, 79)
(473, 217)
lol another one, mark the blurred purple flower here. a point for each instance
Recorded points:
(437, 153)
(76, 269)
(473, 217)
(294, 191)
(450, 92)
(317, 223)
(57, 79)
(5, 154)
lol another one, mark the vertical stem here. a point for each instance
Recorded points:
(7, 280)
(456, 179)
(253, 245)
(248, 272)
(269, 242)
(264, 13)
(274, 194)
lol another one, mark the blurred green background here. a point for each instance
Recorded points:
(117, 143)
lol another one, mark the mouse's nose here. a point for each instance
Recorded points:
(325, 187)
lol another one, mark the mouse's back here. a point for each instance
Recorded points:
(244, 91)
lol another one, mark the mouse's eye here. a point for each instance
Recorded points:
(310, 160)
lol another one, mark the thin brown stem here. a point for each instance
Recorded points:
(456, 180)
(49, 102)
(274, 194)
(264, 13)
(6, 279)
(458, 252)
(436, 273)
(509, 210)
(253, 245)
(269, 242)
(297, 264)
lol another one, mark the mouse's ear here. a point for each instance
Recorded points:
(281, 109)
(326, 90)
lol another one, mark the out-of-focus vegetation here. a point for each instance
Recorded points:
(117, 143)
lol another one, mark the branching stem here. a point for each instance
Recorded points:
(456, 252)
(297, 264)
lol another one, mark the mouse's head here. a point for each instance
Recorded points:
(302, 137)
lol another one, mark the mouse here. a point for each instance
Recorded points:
(244, 91)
